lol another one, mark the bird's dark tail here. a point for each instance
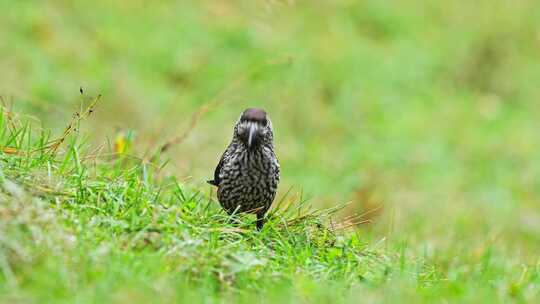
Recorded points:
(260, 220)
(212, 182)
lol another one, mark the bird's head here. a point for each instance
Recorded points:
(254, 128)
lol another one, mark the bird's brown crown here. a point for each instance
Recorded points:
(253, 114)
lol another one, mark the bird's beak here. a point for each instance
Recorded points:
(253, 130)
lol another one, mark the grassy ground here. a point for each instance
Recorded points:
(422, 114)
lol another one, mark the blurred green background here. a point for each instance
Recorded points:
(425, 113)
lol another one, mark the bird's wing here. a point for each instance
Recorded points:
(216, 180)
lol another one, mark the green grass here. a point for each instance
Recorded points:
(423, 115)
(87, 226)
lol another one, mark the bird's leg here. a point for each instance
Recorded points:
(260, 220)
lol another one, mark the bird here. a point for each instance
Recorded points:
(248, 172)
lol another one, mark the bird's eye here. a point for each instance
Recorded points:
(265, 122)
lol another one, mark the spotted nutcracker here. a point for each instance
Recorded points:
(247, 174)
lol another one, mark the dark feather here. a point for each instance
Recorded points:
(216, 180)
